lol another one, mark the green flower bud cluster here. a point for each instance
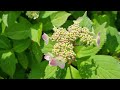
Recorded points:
(64, 50)
(86, 36)
(65, 38)
(74, 31)
(33, 14)
(60, 35)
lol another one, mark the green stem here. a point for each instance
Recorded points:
(70, 72)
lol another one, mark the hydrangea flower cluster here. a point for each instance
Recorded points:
(62, 51)
(33, 14)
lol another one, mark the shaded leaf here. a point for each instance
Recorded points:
(4, 42)
(8, 63)
(21, 45)
(38, 70)
(36, 49)
(19, 30)
(22, 59)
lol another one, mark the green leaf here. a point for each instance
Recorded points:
(100, 67)
(38, 70)
(46, 48)
(47, 25)
(50, 72)
(82, 51)
(19, 73)
(67, 23)
(21, 45)
(85, 21)
(3, 28)
(4, 18)
(8, 63)
(108, 67)
(36, 49)
(61, 73)
(4, 42)
(19, 30)
(31, 58)
(36, 32)
(108, 17)
(12, 17)
(59, 18)
(22, 59)
(86, 67)
(77, 14)
(112, 36)
(46, 14)
(3, 74)
(72, 73)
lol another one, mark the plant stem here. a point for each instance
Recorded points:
(70, 72)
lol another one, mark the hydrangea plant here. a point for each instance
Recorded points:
(59, 45)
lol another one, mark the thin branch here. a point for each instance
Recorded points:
(70, 72)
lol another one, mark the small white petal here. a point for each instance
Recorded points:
(61, 64)
(47, 57)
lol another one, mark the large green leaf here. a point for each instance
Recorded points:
(36, 32)
(59, 18)
(46, 14)
(22, 59)
(36, 49)
(72, 73)
(4, 42)
(82, 51)
(99, 67)
(20, 30)
(38, 70)
(8, 62)
(21, 45)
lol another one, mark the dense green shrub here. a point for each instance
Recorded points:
(59, 45)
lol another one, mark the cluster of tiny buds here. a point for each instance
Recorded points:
(33, 14)
(72, 33)
(86, 36)
(64, 50)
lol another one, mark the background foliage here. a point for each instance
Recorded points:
(22, 48)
